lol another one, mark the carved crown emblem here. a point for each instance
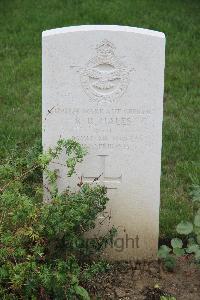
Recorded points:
(105, 48)
(104, 78)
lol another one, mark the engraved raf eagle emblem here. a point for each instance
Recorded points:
(104, 78)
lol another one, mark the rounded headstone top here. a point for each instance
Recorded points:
(118, 28)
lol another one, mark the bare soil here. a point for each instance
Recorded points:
(148, 281)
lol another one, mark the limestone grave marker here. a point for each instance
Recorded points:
(103, 85)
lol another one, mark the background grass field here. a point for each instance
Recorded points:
(21, 25)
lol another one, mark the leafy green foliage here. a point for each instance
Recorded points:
(189, 230)
(167, 298)
(195, 193)
(44, 253)
(22, 23)
(184, 227)
(164, 253)
(176, 243)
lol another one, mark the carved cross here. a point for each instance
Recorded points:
(101, 178)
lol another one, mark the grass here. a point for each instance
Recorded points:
(21, 24)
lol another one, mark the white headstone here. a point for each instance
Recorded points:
(103, 85)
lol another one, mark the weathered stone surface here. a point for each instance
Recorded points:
(103, 85)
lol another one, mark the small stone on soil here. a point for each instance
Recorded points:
(137, 273)
(120, 293)
(153, 271)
